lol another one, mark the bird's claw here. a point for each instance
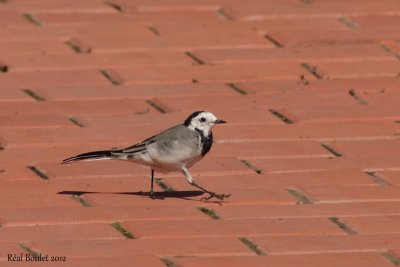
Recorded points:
(218, 196)
(153, 195)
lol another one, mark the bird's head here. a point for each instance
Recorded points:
(203, 121)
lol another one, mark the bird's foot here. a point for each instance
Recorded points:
(212, 195)
(154, 195)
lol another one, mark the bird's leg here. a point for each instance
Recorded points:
(190, 180)
(152, 181)
(151, 193)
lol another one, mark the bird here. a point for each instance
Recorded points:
(175, 149)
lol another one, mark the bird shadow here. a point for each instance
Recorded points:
(156, 195)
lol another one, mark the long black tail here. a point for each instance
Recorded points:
(104, 154)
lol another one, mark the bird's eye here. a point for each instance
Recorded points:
(202, 119)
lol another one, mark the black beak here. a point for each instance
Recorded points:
(218, 121)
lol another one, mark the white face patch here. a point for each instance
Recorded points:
(204, 122)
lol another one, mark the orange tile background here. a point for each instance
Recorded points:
(311, 153)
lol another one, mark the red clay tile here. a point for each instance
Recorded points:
(99, 43)
(170, 5)
(326, 244)
(9, 248)
(181, 198)
(129, 17)
(348, 209)
(363, 85)
(294, 23)
(94, 61)
(28, 188)
(352, 194)
(380, 98)
(393, 46)
(256, 10)
(240, 196)
(82, 215)
(61, 6)
(60, 232)
(272, 150)
(292, 179)
(349, 113)
(205, 73)
(206, 26)
(355, 130)
(307, 38)
(368, 163)
(391, 176)
(368, 147)
(72, 32)
(310, 91)
(376, 21)
(77, 19)
(28, 157)
(121, 261)
(323, 53)
(102, 43)
(154, 122)
(232, 228)
(33, 47)
(14, 95)
(43, 121)
(20, 201)
(107, 169)
(355, 259)
(52, 78)
(198, 247)
(68, 136)
(16, 172)
(219, 40)
(132, 91)
(374, 224)
(73, 108)
(335, 70)
(8, 18)
(255, 102)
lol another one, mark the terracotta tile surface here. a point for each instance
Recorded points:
(310, 89)
(355, 259)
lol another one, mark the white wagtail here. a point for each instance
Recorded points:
(175, 149)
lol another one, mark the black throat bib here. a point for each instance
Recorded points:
(206, 142)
